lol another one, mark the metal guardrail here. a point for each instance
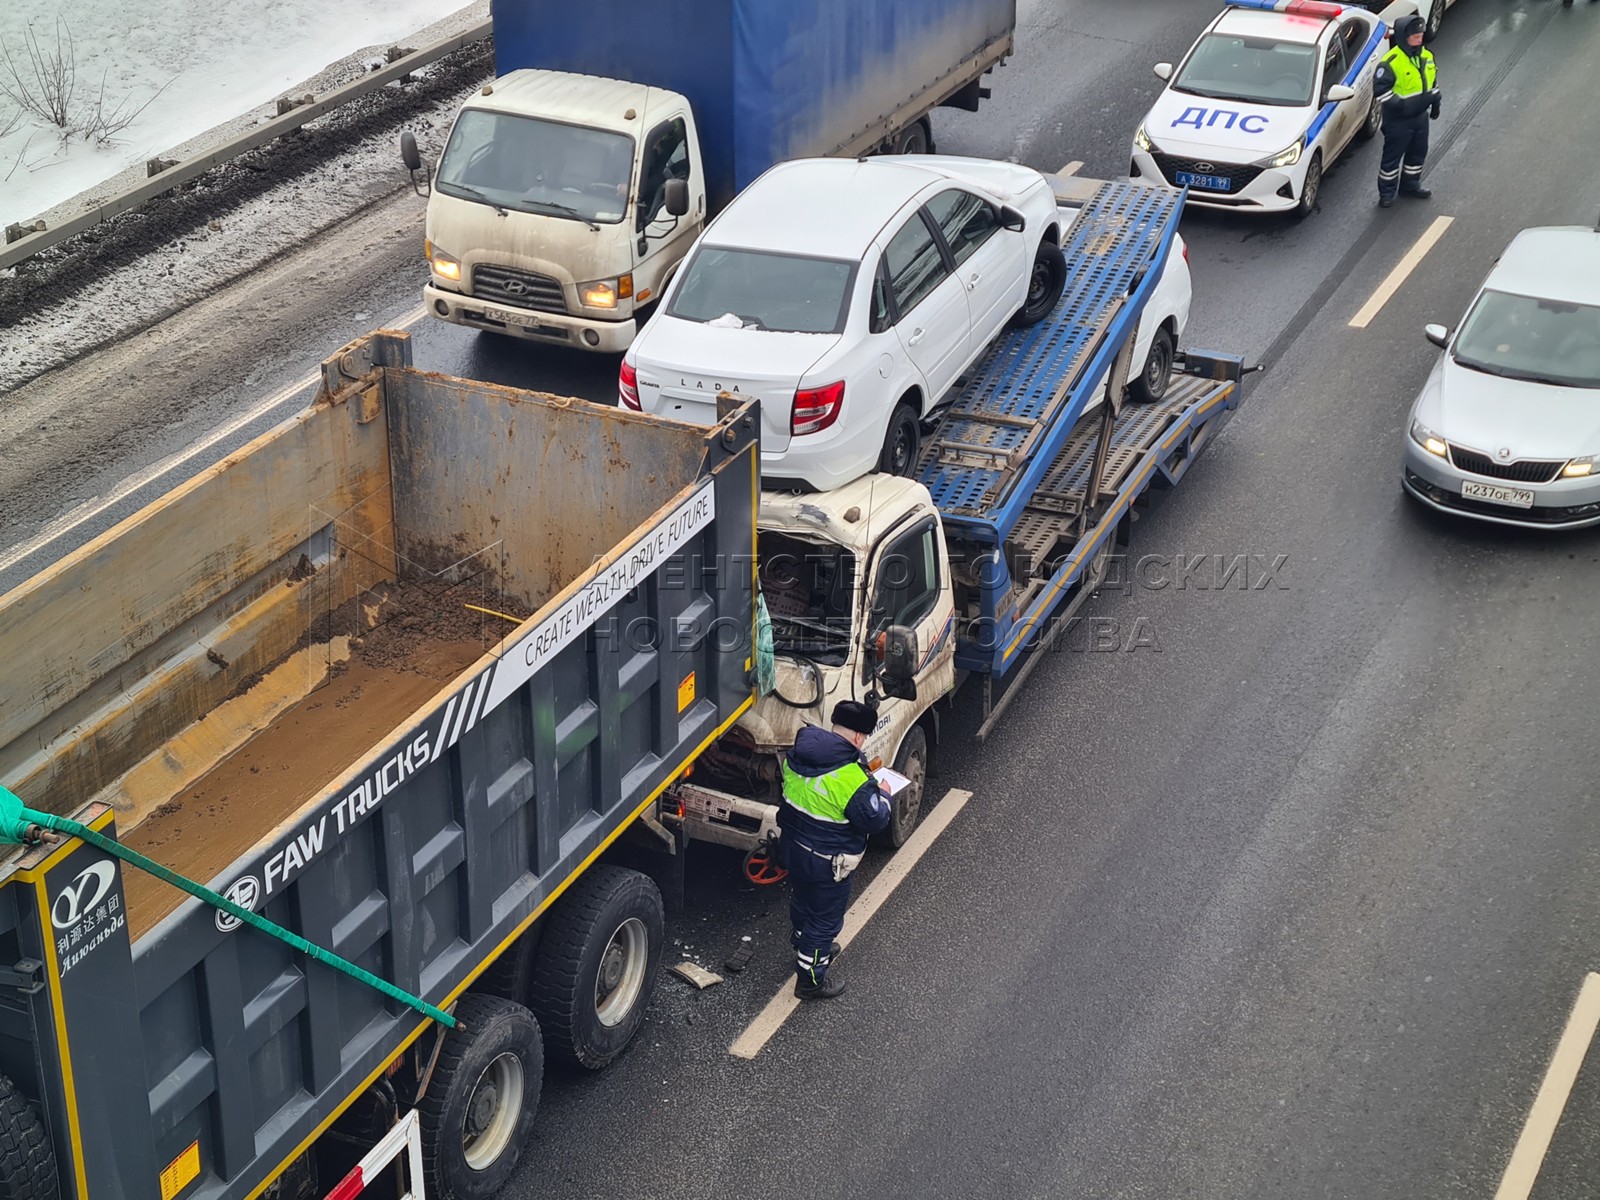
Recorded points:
(24, 242)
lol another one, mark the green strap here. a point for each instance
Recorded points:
(17, 824)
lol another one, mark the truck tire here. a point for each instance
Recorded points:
(481, 1099)
(915, 138)
(1048, 277)
(1156, 374)
(27, 1161)
(597, 966)
(912, 762)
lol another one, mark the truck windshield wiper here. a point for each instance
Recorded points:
(816, 627)
(477, 195)
(565, 210)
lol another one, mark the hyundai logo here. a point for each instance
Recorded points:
(515, 286)
(1207, 168)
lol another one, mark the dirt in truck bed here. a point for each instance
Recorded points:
(425, 639)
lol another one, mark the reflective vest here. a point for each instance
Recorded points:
(1408, 81)
(824, 797)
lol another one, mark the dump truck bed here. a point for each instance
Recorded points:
(393, 675)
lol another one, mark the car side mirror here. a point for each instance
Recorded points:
(900, 657)
(1437, 334)
(677, 197)
(1163, 70)
(1013, 220)
(409, 154)
(1340, 92)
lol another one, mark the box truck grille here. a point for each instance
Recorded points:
(524, 289)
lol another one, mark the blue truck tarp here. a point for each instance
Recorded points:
(768, 81)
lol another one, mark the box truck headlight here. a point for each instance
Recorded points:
(444, 266)
(604, 293)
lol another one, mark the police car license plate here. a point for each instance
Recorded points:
(1213, 183)
(1515, 497)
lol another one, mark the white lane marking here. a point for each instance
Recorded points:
(883, 884)
(1532, 1146)
(1402, 272)
(64, 525)
(1072, 168)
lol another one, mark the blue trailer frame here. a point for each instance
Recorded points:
(1033, 497)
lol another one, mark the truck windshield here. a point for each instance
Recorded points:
(536, 166)
(809, 588)
(1249, 69)
(784, 293)
(1523, 337)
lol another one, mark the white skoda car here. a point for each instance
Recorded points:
(1265, 100)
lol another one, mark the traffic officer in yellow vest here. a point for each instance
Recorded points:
(1406, 86)
(831, 804)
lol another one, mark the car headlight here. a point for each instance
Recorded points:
(1580, 468)
(1428, 439)
(444, 266)
(1141, 139)
(1287, 157)
(604, 293)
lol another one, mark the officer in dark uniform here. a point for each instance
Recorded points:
(831, 803)
(1406, 86)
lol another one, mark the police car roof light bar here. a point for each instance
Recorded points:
(1303, 8)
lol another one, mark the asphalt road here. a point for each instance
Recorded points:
(1294, 903)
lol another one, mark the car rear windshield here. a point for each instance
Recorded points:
(1524, 337)
(536, 166)
(784, 293)
(1250, 69)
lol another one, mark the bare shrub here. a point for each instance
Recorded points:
(46, 81)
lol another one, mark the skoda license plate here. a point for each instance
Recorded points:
(1212, 183)
(1515, 497)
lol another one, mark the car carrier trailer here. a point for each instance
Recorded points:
(899, 590)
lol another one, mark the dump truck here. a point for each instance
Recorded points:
(570, 189)
(901, 590)
(405, 677)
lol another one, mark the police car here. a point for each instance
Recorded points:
(1271, 93)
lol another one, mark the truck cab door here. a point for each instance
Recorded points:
(909, 586)
(670, 152)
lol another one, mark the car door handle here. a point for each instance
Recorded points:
(915, 337)
(972, 281)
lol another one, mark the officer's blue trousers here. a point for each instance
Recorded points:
(816, 911)
(1405, 149)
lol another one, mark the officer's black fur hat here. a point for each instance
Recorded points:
(853, 715)
(1409, 26)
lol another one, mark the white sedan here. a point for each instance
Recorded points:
(1271, 93)
(848, 296)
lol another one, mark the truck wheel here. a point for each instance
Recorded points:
(481, 1101)
(1048, 277)
(912, 762)
(597, 966)
(1154, 379)
(902, 443)
(914, 139)
(27, 1161)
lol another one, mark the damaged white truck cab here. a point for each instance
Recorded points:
(861, 602)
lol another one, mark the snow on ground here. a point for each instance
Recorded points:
(210, 60)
